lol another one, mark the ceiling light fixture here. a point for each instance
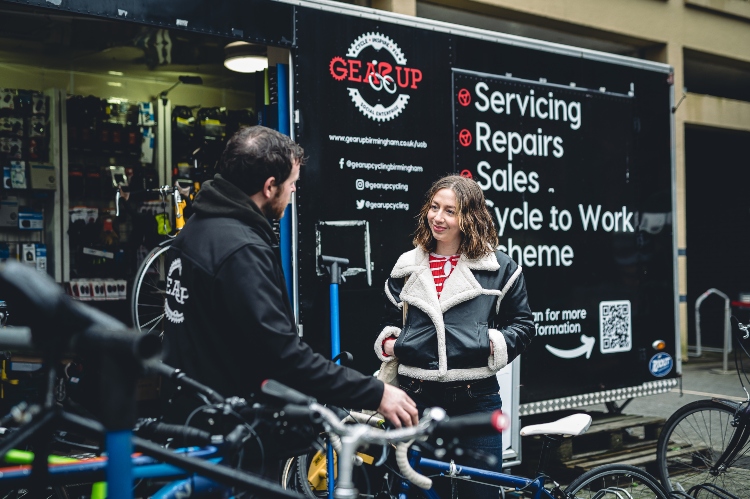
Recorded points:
(245, 57)
(187, 80)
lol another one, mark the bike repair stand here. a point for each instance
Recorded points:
(335, 267)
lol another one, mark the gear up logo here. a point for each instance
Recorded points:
(386, 77)
(176, 291)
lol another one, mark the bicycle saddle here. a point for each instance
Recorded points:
(571, 425)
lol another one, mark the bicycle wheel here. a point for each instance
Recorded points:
(149, 291)
(308, 475)
(692, 440)
(616, 481)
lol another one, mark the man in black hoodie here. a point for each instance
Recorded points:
(229, 322)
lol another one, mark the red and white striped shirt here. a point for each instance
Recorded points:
(441, 267)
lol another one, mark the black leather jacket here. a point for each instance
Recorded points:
(448, 339)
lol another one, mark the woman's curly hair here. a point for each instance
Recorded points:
(478, 233)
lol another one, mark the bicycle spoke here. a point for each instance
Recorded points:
(692, 442)
(148, 305)
(150, 291)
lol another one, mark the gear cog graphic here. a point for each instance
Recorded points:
(378, 112)
(330, 68)
(378, 42)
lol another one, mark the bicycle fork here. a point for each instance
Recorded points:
(737, 442)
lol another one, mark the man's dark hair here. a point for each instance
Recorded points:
(256, 153)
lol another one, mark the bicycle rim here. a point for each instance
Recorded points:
(149, 292)
(692, 440)
(615, 481)
(310, 476)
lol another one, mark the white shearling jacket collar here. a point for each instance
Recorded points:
(462, 286)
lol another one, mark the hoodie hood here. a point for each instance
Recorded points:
(220, 198)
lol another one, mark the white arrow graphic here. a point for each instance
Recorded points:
(586, 348)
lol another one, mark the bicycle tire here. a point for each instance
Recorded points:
(691, 441)
(615, 481)
(299, 479)
(149, 291)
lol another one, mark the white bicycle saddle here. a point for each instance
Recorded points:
(571, 425)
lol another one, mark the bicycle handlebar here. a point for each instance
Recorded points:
(347, 438)
(17, 339)
(184, 434)
(180, 378)
(324, 260)
(282, 392)
(60, 325)
(472, 425)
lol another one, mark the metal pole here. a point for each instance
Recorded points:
(335, 350)
(119, 466)
(727, 348)
(727, 335)
(285, 224)
(698, 343)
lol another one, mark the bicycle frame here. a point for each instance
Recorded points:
(739, 439)
(63, 473)
(431, 466)
(178, 203)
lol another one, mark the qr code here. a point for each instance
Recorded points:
(615, 331)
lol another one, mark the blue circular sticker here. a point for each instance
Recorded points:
(660, 364)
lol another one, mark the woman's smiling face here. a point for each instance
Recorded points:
(443, 221)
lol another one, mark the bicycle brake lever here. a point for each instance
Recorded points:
(745, 329)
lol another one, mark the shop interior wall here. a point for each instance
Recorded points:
(31, 77)
(718, 225)
(106, 59)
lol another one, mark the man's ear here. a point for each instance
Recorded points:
(268, 187)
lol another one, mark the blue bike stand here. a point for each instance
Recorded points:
(119, 466)
(334, 267)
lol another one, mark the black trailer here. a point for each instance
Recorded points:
(573, 148)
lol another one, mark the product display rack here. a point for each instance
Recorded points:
(29, 158)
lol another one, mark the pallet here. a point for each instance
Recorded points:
(612, 438)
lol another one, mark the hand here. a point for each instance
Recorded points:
(184, 191)
(388, 346)
(398, 407)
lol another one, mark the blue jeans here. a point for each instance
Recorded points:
(459, 398)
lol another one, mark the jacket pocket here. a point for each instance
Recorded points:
(468, 346)
(416, 346)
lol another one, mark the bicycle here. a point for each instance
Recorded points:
(149, 291)
(704, 447)
(604, 482)
(149, 284)
(60, 325)
(154, 478)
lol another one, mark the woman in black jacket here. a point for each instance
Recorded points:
(457, 312)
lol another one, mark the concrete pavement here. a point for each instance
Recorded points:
(699, 381)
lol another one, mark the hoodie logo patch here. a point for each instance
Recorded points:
(176, 291)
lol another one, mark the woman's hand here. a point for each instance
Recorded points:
(388, 346)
